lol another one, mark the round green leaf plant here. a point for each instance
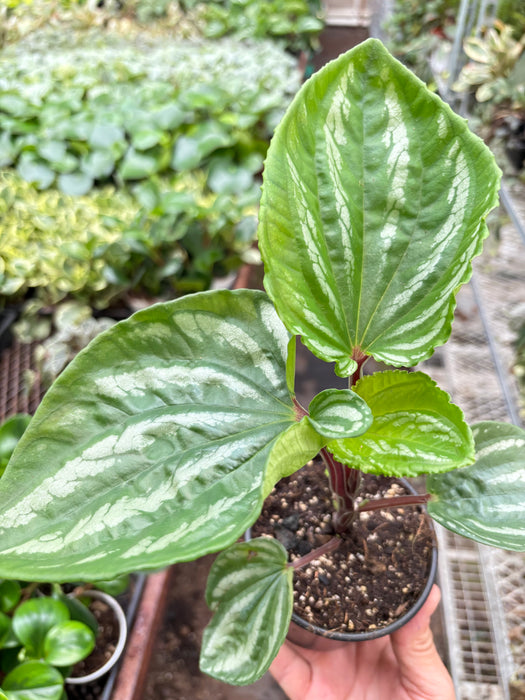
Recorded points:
(161, 440)
(43, 638)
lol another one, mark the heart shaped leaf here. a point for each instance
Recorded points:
(250, 590)
(374, 200)
(416, 430)
(486, 500)
(158, 442)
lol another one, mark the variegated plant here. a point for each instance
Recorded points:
(161, 440)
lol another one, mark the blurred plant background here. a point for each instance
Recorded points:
(132, 140)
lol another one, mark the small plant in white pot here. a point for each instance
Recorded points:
(161, 440)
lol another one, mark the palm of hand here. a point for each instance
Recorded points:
(402, 666)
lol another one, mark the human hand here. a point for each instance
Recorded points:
(402, 666)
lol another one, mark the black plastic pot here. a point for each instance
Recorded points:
(310, 636)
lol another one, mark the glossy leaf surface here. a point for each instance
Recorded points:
(486, 501)
(337, 413)
(34, 618)
(416, 430)
(156, 444)
(155, 439)
(250, 590)
(68, 643)
(373, 206)
(33, 680)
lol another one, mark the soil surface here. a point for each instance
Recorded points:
(380, 568)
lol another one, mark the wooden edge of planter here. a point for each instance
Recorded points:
(130, 681)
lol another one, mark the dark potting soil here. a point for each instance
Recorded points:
(378, 571)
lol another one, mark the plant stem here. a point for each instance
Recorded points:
(344, 483)
(329, 546)
(394, 502)
(360, 358)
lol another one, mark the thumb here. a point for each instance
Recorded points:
(423, 673)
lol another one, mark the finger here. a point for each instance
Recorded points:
(422, 670)
(292, 671)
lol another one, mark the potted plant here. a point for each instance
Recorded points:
(45, 631)
(161, 440)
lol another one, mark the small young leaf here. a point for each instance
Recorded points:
(416, 429)
(250, 590)
(486, 501)
(67, 643)
(75, 184)
(339, 413)
(33, 680)
(33, 620)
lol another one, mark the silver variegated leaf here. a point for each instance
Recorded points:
(486, 501)
(250, 590)
(154, 444)
(416, 429)
(374, 200)
(339, 413)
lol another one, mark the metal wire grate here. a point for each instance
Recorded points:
(473, 649)
(484, 588)
(15, 361)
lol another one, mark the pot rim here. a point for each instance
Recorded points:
(364, 636)
(123, 629)
(380, 631)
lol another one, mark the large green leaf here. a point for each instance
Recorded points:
(416, 429)
(33, 680)
(373, 206)
(486, 501)
(152, 445)
(157, 443)
(250, 590)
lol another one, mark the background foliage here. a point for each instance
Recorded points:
(131, 162)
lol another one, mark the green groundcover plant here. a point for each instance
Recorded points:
(160, 441)
(171, 236)
(41, 638)
(44, 632)
(81, 108)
